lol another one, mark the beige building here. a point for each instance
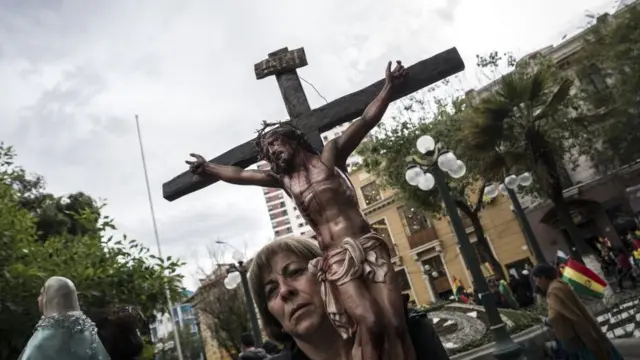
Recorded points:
(208, 285)
(417, 240)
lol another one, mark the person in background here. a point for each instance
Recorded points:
(523, 289)
(118, 330)
(271, 347)
(63, 332)
(578, 333)
(249, 349)
(624, 268)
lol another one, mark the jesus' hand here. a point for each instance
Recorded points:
(196, 167)
(395, 76)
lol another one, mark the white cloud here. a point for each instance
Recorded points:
(75, 72)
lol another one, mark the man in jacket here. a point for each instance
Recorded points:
(249, 349)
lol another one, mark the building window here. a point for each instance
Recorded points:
(300, 224)
(269, 190)
(281, 223)
(371, 193)
(325, 138)
(278, 214)
(381, 228)
(273, 197)
(276, 206)
(286, 231)
(413, 221)
(403, 280)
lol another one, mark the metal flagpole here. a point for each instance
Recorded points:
(176, 329)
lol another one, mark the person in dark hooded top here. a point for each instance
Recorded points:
(249, 349)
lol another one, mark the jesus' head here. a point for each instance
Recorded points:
(280, 145)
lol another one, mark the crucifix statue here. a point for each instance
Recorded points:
(356, 273)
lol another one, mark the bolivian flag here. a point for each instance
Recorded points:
(582, 280)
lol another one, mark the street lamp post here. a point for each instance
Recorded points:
(237, 273)
(507, 187)
(428, 274)
(427, 172)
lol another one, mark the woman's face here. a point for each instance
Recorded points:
(294, 296)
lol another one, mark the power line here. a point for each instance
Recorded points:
(314, 88)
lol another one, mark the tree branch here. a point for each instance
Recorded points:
(479, 202)
(464, 207)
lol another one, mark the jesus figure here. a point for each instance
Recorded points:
(357, 277)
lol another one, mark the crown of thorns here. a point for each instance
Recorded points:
(267, 127)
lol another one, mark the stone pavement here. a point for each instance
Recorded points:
(623, 321)
(628, 348)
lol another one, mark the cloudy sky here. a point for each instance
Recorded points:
(74, 73)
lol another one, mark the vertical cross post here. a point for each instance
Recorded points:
(283, 64)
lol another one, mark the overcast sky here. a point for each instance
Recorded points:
(74, 73)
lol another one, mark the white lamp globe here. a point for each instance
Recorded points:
(413, 176)
(511, 182)
(425, 144)
(434, 274)
(458, 170)
(237, 256)
(447, 161)
(232, 280)
(426, 182)
(503, 189)
(525, 179)
(227, 284)
(491, 191)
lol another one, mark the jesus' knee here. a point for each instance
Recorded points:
(372, 326)
(397, 326)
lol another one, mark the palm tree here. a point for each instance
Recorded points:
(527, 123)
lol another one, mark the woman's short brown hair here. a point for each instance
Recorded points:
(304, 248)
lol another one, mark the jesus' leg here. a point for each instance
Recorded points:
(361, 274)
(388, 296)
(366, 312)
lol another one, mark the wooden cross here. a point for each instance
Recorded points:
(283, 64)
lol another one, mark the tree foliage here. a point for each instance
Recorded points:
(531, 122)
(608, 67)
(76, 244)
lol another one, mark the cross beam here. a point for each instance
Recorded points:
(283, 64)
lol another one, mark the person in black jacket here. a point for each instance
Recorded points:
(118, 330)
(290, 305)
(249, 349)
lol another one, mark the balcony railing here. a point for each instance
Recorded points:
(422, 237)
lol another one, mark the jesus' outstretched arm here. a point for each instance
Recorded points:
(347, 143)
(231, 174)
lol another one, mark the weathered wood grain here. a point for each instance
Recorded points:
(282, 61)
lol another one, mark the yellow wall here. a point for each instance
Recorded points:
(212, 351)
(499, 223)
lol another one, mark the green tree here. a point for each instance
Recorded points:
(608, 67)
(385, 157)
(55, 215)
(530, 122)
(106, 270)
